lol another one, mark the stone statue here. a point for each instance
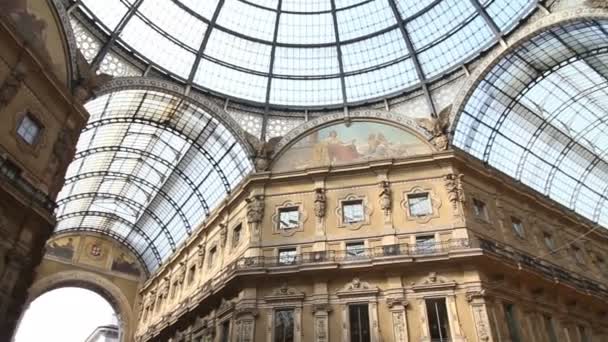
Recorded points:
(223, 234)
(201, 254)
(453, 184)
(385, 197)
(64, 149)
(263, 151)
(89, 81)
(180, 272)
(320, 203)
(438, 128)
(255, 208)
(10, 86)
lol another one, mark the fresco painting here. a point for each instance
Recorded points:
(62, 248)
(123, 263)
(340, 144)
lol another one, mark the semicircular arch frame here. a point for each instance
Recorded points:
(536, 110)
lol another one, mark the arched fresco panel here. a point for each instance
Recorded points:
(356, 142)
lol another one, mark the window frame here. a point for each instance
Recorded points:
(517, 225)
(480, 209)
(366, 322)
(236, 238)
(351, 244)
(352, 203)
(421, 248)
(429, 204)
(28, 115)
(293, 250)
(275, 311)
(430, 317)
(288, 210)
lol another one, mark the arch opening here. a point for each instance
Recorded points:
(70, 313)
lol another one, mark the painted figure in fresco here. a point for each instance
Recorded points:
(123, 264)
(339, 151)
(65, 251)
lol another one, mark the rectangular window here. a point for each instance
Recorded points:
(578, 255)
(191, 273)
(419, 204)
(550, 328)
(583, 332)
(289, 218)
(352, 212)
(512, 322)
(439, 325)
(549, 242)
(518, 226)
(225, 332)
(355, 250)
(358, 319)
(479, 207)
(236, 235)
(283, 325)
(29, 129)
(287, 256)
(425, 244)
(211, 257)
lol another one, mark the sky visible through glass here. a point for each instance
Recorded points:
(64, 315)
(301, 53)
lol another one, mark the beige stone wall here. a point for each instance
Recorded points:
(458, 268)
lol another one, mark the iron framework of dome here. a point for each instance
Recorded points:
(540, 116)
(149, 167)
(292, 53)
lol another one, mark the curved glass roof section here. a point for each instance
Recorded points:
(149, 168)
(292, 53)
(541, 116)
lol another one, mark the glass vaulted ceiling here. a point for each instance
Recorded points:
(313, 53)
(148, 168)
(541, 116)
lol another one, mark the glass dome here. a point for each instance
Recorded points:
(308, 54)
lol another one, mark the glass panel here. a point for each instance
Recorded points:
(283, 325)
(289, 218)
(355, 250)
(287, 256)
(29, 129)
(512, 322)
(419, 204)
(358, 316)
(425, 244)
(439, 326)
(352, 212)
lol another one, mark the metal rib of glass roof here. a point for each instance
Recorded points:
(149, 167)
(541, 116)
(317, 53)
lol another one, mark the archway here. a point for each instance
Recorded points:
(65, 314)
(93, 282)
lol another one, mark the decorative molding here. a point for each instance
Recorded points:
(358, 288)
(367, 212)
(285, 294)
(433, 198)
(73, 49)
(302, 217)
(433, 282)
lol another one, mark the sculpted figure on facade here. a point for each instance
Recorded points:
(385, 197)
(180, 272)
(438, 128)
(89, 80)
(223, 234)
(263, 151)
(255, 208)
(453, 185)
(320, 203)
(10, 87)
(200, 254)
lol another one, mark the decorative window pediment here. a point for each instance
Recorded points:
(358, 288)
(433, 282)
(285, 294)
